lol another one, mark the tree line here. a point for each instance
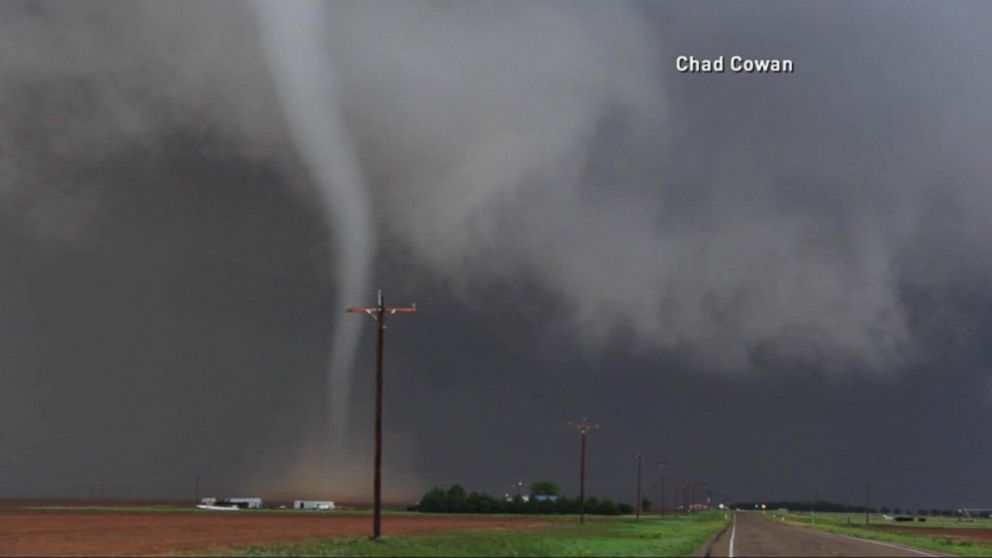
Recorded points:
(544, 498)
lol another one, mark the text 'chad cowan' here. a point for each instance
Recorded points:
(738, 65)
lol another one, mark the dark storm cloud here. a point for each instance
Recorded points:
(766, 216)
(585, 230)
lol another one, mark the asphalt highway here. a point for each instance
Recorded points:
(753, 534)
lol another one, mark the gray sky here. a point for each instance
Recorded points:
(773, 282)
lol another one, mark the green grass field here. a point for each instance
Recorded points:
(624, 536)
(853, 525)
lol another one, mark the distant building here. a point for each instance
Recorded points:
(509, 498)
(249, 503)
(244, 503)
(321, 505)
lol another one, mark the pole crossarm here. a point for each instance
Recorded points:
(583, 426)
(387, 309)
(401, 309)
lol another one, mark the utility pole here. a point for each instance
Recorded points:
(583, 428)
(867, 499)
(812, 509)
(661, 473)
(379, 313)
(640, 457)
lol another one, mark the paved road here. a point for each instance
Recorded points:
(753, 534)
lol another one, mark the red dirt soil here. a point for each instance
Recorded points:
(107, 533)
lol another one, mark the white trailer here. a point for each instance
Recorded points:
(321, 505)
(250, 503)
(230, 503)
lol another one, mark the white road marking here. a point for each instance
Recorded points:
(733, 533)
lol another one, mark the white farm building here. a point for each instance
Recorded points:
(323, 505)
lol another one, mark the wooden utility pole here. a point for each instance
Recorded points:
(867, 499)
(379, 313)
(661, 473)
(640, 457)
(583, 428)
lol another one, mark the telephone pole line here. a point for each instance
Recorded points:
(379, 313)
(583, 427)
